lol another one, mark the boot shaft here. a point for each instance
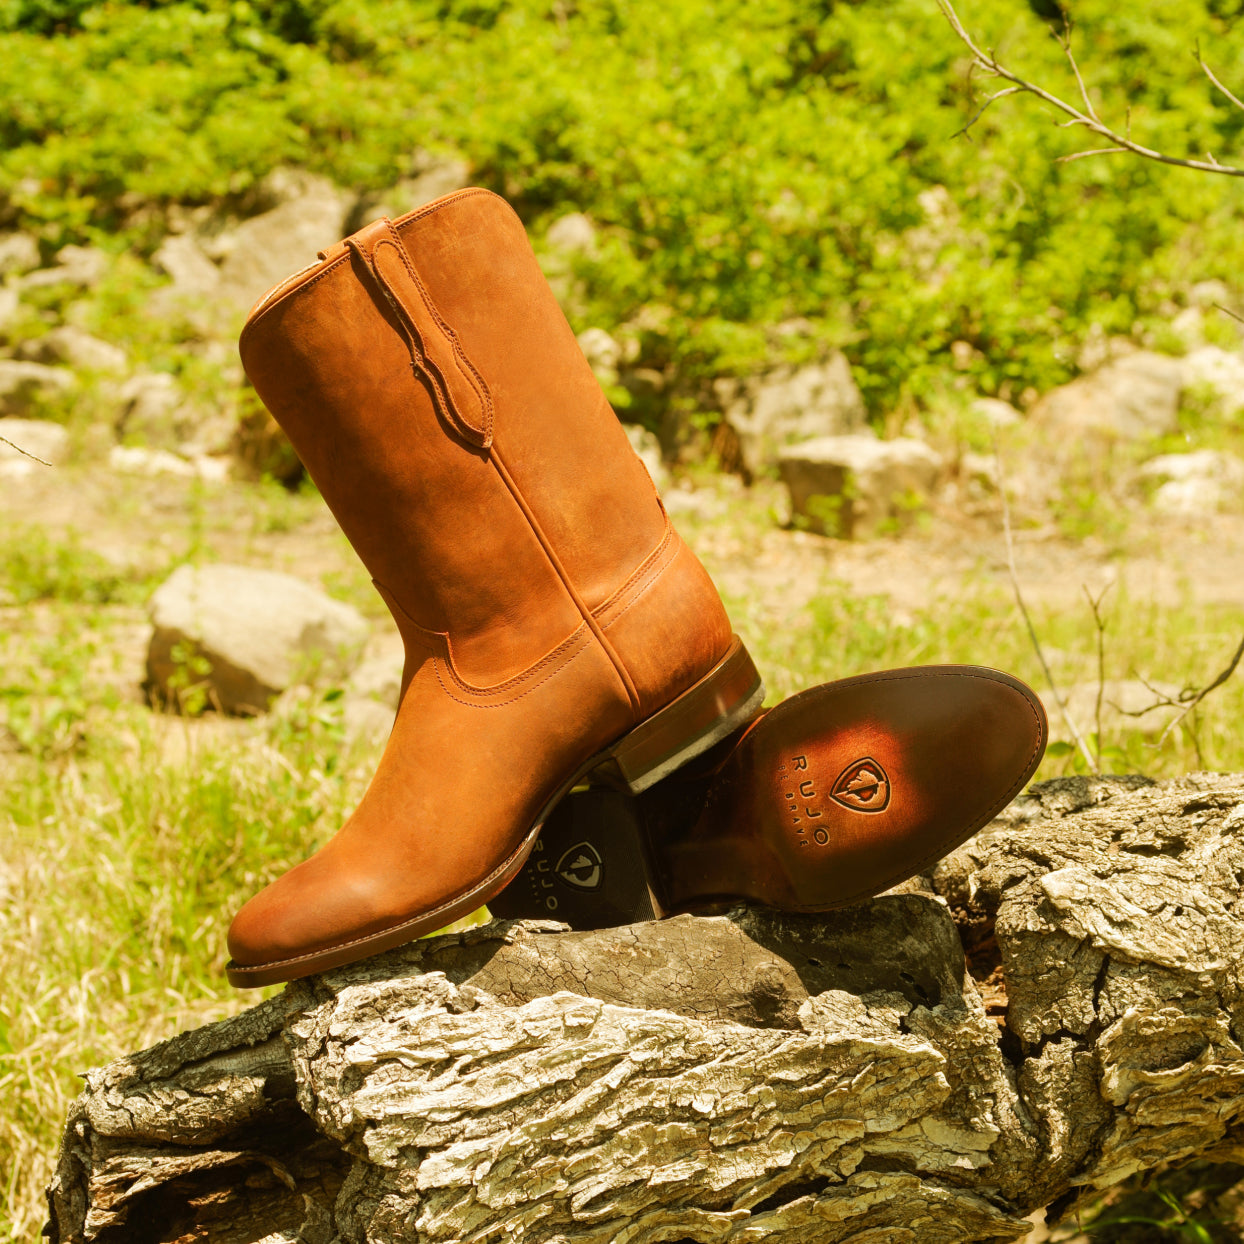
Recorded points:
(435, 393)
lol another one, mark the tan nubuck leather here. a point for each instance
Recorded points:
(555, 625)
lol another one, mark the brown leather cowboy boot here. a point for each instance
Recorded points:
(832, 797)
(555, 625)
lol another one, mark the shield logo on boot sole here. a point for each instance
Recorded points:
(581, 867)
(863, 786)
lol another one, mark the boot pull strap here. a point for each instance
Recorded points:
(461, 393)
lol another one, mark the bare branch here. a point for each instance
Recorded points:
(1087, 117)
(1188, 698)
(1083, 155)
(1219, 307)
(1064, 41)
(1023, 609)
(1209, 73)
(24, 452)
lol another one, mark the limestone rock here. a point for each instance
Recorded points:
(854, 486)
(245, 634)
(603, 353)
(26, 386)
(148, 407)
(788, 405)
(193, 273)
(264, 250)
(573, 233)
(1197, 483)
(10, 305)
(19, 253)
(83, 266)
(75, 348)
(373, 689)
(646, 445)
(1220, 372)
(1132, 397)
(996, 413)
(436, 179)
(49, 442)
(136, 460)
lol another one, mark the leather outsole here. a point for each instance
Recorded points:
(828, 799)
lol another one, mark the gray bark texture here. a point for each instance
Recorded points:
(743, 1077)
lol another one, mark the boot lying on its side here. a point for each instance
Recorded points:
(834, 796)
(555, 625)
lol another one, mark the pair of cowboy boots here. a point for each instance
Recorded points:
(557, 630)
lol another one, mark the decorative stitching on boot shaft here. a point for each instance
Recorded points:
(461, 393)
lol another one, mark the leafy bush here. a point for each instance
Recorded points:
(748, 162)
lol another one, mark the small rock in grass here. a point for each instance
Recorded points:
(48, 442)
(193, 273)
(573, 233)
(238, 637)
(646, 445)
(789, 406)
(19, 252)
(852, 486)
(1196, 484)
(1127, 399)
(25, 386)
(148, 407)
(1220, 372)
(75, 265)
(75, 348)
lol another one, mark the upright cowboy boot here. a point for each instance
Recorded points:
(555, 625)
(835, 795)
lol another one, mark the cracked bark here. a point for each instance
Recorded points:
(737, 1078)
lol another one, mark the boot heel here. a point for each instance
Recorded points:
(727, 697)
(586, 867)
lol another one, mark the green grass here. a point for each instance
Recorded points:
(842, 633)
(128, 839)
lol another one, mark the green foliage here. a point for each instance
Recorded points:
(748, 162)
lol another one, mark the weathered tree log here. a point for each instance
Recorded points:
(736, 1078)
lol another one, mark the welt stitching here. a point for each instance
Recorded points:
(565, 665)
(643, 591)
(517, 681)
(638, 573)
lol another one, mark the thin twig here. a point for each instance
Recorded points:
(1219, 307)
(1209, 73)
(1095, 606)
(1089, 119)
(1189, 697)
(24, 452)
(1023, 608)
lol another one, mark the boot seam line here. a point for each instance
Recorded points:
(562, 657)
(652, 581)
(439, 645)
(629, 690)
(638, 573)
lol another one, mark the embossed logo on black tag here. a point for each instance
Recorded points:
(582, 867)
(863, 787)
